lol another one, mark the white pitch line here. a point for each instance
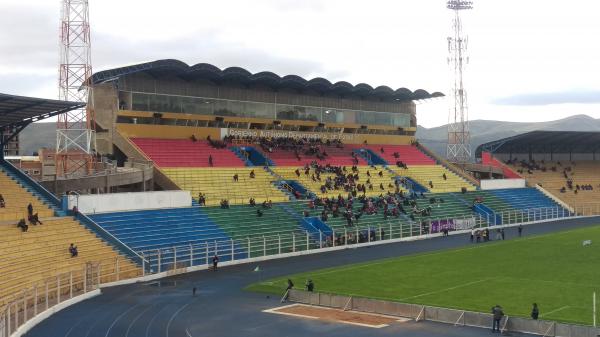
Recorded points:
(555, 310)
(446, 289)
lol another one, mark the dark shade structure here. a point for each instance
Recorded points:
(237, 75)
(16, 112)
(544, 141)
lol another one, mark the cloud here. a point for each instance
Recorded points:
(547, 98)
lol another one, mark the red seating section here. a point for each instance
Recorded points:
(335, 156)
(409, 155)
(487, 159)
(185, 153)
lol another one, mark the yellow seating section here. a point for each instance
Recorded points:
(582, 173)
(30, 258)
(17, 198)
(423, 174)
(217, 184)
(315, 186)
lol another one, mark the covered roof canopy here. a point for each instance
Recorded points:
(16, 112)
(544, 142)
(242, 76)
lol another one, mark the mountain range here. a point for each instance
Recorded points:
(483, 131)
(40, 135)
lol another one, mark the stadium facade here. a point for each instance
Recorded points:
(144, 99)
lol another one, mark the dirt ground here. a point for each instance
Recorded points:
(337, 315)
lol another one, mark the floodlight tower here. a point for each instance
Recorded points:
(75, 129)
(459, 137)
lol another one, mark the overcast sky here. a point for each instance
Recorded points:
(529, 60)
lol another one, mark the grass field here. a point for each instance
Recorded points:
(554, 270)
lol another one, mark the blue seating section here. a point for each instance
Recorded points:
(165, 228)
(539, 206)
(525, 198)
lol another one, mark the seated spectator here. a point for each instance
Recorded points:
(34, 219)
(430, 184)
(252, 174)
(73, 250)
(224, 204)
(259, 213)
(193, 138)
(252, 202)
(201, 199)
(380, 173)
(2, 202)
(21, 224)
(235, 177)
(444, 176)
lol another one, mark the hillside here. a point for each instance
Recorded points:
(483, 131)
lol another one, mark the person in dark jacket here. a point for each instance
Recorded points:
(215, 261)
(535, 311)
(310, 286)
(497, 315)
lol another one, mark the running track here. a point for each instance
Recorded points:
(221, 308)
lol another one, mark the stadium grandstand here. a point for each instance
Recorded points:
(563, 164)
(36, 233)
(245, 167)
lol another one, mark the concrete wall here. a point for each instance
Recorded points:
(494, 184)
(119, 202)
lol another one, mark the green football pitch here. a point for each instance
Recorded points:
(555, 270)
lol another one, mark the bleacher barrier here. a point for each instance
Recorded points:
(443, 315)
(290, 243)
(48, 295)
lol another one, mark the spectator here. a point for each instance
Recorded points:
(235, 177)
(193, 138)
(444, 176)
(210, 160)
(252, 174)
(520, 230)
(535, 311)
(252, 202)
(73, 250)
(215, 262)
(34, 219)
(259, 213)
(2, 202)
(21, 224)
(498, 314)
(310, 286)
(201, 199)
(30, 209)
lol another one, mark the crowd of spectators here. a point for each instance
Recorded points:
(567, 172)
(347, 180)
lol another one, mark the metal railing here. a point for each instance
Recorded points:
(27, 304)
(200, 253)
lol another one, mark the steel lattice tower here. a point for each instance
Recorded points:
(459, 137)
(75, 129)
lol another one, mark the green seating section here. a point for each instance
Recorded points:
(241, 223)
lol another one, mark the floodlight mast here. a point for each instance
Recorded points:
(75, 136)
(459, 136)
